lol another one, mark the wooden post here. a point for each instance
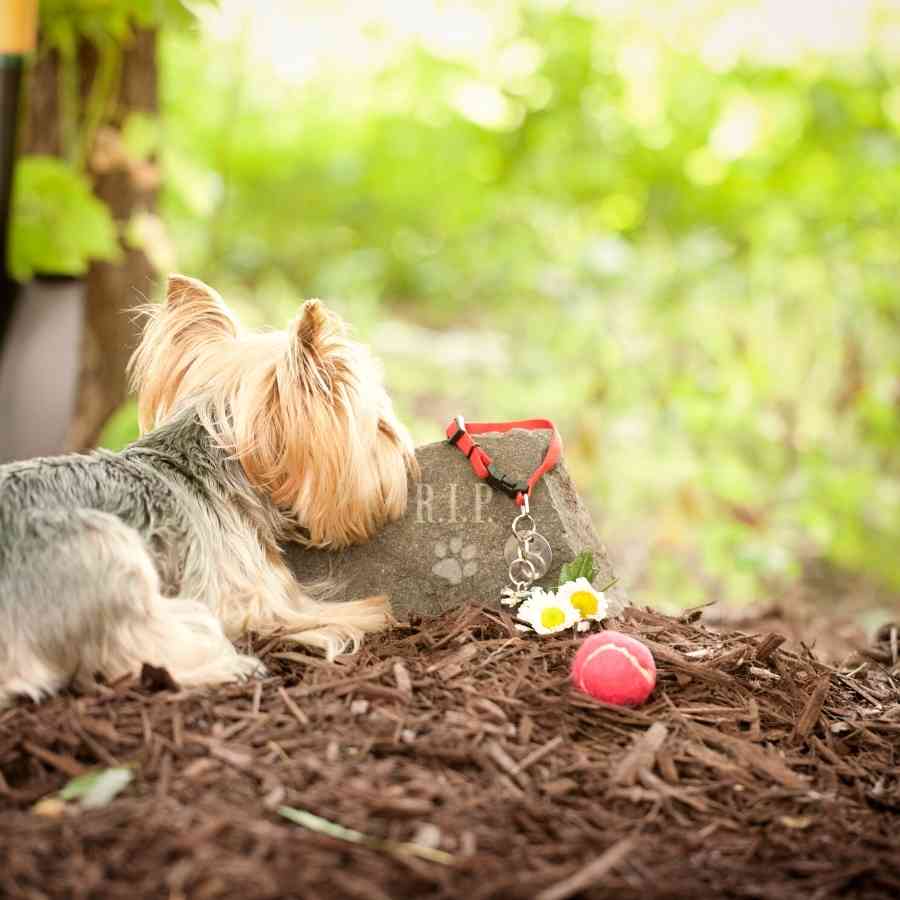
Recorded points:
(18, 26)
(18, 30)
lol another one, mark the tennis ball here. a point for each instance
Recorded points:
(614, 668)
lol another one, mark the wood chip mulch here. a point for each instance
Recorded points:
(753, 771)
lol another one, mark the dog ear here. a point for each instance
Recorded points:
(313, 335)
(179, 347)
(200, 305)
(311, 325)
(184, 288)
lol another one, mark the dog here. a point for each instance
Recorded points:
(167, 552)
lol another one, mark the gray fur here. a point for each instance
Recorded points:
(90, 543)
(165, 486)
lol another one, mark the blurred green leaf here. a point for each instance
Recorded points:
(59, 226)
(580, 567)
(122, 428)
(96, 789)
(324, 826)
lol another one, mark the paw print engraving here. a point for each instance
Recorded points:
(455, 561)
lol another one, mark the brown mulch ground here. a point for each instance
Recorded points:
(754, 771)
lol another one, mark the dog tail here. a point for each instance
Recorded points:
(340, 627)
(332, 627)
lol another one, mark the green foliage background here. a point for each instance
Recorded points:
(692, 266)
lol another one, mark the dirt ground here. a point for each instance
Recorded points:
(753, 771)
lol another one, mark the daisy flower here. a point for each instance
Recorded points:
(586, 601)
(547, 613)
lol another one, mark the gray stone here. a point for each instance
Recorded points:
(449, 547)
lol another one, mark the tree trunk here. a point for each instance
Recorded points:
(113, 289)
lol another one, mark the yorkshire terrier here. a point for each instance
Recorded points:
(168, 551)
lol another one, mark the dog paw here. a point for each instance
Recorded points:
(248, 668)
(456, 560)
(258, 670)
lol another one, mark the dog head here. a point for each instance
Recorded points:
(303, 410)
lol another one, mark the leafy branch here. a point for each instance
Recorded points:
(58, 224)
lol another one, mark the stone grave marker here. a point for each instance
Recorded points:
(449, 547)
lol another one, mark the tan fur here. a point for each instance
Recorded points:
(303, 410)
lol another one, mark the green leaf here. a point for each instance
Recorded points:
(96, 19)
(96, 789)
(580, 567)
(339, 832)
(58, 225)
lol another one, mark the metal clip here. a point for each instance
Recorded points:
(460, 430)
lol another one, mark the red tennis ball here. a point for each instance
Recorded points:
(614, 668)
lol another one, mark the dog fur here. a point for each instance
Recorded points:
(168, 551)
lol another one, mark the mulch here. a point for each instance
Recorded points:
(754, 771)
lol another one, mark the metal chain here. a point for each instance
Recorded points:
(522, 571)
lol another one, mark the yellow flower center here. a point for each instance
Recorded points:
(585, 602)
(552, 617)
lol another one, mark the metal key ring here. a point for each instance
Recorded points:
(529, 574)
(519, 533)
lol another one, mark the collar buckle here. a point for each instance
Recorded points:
(500, 482)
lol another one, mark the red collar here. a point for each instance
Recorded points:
(460, 434)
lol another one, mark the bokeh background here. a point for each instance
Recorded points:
(672, 227)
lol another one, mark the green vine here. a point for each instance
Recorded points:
(69, 101)
(99, 103)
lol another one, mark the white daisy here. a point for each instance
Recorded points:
(587, 602)
(546, 613)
